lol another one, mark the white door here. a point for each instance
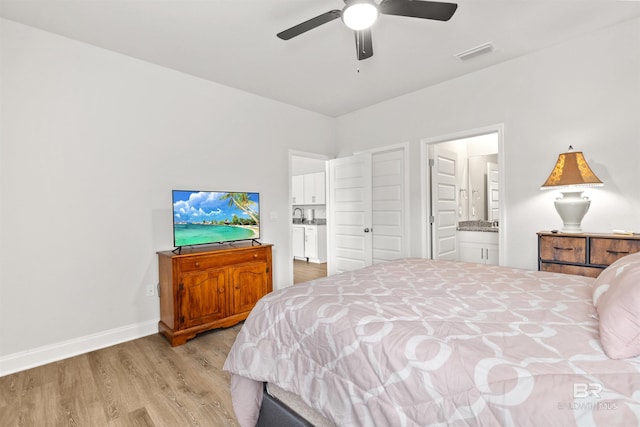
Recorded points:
(493, 192)
(388, 206)
(444, 204)
(349, 215)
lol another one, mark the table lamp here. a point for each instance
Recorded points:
(571, 175)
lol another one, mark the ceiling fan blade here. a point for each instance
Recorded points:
(418, 9)
(364, 44)
(312, 23)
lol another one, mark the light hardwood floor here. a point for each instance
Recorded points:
(304, 271)
(144, 382)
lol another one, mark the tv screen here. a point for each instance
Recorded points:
(206, 217)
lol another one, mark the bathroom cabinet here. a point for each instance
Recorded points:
(478, 246)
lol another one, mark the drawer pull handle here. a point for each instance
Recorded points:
(197, 264)
(617, 252)
(558, 248)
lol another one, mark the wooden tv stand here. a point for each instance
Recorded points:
(203, 289)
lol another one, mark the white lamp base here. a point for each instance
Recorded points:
(572, 207)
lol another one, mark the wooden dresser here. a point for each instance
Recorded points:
(584, 254)
(207, 289)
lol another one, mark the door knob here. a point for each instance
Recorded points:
(366, 230)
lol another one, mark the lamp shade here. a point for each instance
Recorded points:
(571, 170)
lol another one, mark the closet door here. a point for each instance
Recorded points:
(388, 206)
(349, 215)
(367, 210)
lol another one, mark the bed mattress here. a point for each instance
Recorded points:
(418, 342)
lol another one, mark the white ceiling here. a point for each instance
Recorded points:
(233, 42)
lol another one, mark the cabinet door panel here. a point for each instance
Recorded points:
(471, 252)
(297, 190)
(248, 285)
(319, 189)
(491, 255)
(202, 297)
(310, 242)
(298, 242)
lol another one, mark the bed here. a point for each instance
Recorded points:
(418, 342)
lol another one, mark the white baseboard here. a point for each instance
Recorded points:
(52, 353)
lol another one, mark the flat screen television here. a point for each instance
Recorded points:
(208, 217)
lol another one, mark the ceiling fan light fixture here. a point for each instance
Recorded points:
(359, 14)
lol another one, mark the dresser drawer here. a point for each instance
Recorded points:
(571, 269)
(606, 251)
(563, 248)
(201, 262)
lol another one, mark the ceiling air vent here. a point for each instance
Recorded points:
(475, 51)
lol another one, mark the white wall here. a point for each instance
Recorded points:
(92, 142)
(302, 165)
(585, 92)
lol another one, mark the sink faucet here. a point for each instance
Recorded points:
(301, 213)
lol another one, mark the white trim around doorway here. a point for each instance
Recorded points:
(424, 183)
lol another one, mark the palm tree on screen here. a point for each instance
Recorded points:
(242, 201)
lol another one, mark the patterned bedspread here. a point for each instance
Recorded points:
(418, 342)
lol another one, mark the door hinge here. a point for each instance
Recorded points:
(267, 269)
(181, 319)
(432, 219)
(181, 287)
(432, 162)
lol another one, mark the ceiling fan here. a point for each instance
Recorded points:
(359, 15)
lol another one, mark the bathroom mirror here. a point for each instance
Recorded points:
(480, 191)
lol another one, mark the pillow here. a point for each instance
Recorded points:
(608, 275)
(617, 300)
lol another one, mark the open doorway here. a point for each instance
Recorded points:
(308, 216)
(461, 193)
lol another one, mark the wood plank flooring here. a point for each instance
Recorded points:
(140, 383)
(304, 271)
(144, 382)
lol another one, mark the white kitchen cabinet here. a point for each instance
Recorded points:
(308, 189)
(315, 245)
(297, 190)
(298, 239)
(314, 189)
(310, 242)
(478, 246)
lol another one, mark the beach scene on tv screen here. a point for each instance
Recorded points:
(201, 217)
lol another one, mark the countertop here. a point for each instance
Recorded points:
(478, 225)
(318, 221)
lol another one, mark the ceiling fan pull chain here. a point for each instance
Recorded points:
(357, 50)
